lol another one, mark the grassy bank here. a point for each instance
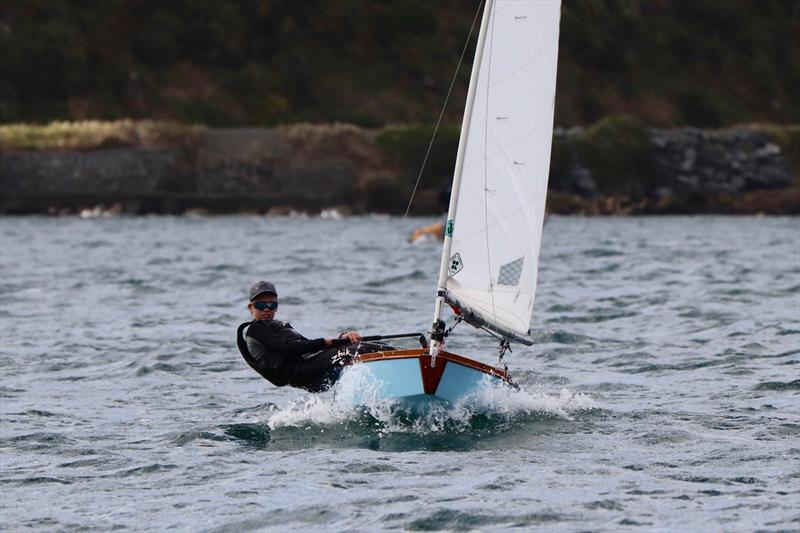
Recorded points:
(94, 134)
(617, 150)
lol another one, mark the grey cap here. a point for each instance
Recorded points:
(261, 287)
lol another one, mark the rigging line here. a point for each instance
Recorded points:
(441, 113)
(493, 16)
(435, 131)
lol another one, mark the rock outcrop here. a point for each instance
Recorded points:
(683, 170)
(311, 168)
(719, 161)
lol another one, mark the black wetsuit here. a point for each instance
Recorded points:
(284, 357)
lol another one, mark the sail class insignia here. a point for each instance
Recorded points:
(455, 264)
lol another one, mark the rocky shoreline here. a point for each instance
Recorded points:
(614, 169)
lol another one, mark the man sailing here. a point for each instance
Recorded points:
(283, 356)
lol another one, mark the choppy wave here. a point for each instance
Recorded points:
(492, 407)
(661, 390)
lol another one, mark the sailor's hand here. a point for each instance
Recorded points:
(352, 336)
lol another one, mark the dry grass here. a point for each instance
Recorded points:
(93, 134)
(332, 139)
(316, 133)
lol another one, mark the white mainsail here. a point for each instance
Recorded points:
(490, 259)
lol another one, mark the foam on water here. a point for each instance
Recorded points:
(491, 399)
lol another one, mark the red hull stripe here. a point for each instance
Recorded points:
(431, 375)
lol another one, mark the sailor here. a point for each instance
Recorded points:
(285, 357)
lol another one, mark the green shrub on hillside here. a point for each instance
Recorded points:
(263, 63)
(408, 145)
(204, 111)
(562, 156)
(700, 109)
(618, 153)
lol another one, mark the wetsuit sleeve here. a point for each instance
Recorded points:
(285, 341)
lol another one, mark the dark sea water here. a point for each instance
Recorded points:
(662, 394)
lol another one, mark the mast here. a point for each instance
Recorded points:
(437, 330)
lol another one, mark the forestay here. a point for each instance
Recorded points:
(497, 228)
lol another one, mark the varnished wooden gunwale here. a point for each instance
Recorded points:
(419, 353)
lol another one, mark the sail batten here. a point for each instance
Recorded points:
(501, 181)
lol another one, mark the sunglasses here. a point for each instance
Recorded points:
(265, 305)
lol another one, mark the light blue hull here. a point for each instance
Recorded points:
(408, 376)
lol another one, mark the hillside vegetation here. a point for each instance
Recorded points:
(709, 63)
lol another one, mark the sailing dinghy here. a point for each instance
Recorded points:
(490, 254)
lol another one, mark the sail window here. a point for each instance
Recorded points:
(511, 272)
